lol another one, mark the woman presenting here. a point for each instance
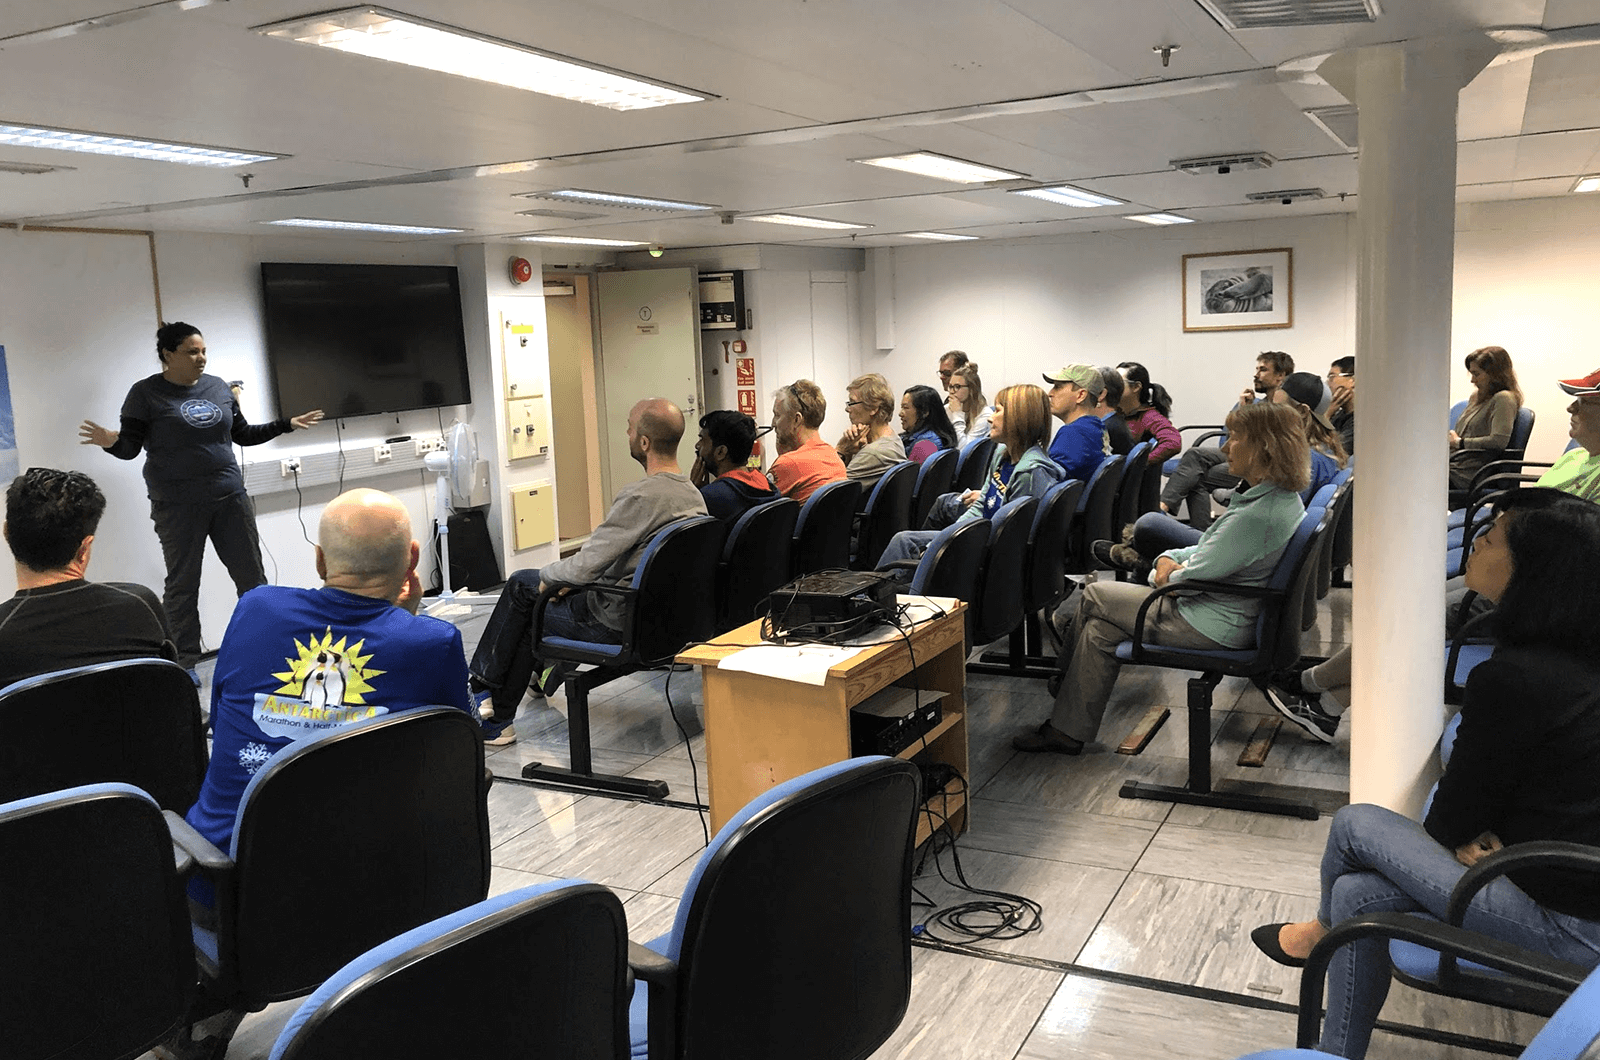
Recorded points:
(185, 420)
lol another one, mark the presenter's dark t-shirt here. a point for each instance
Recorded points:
(188, 440)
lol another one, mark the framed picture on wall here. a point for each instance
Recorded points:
(1239, 290)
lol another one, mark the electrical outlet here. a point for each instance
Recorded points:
(429, 445)
(381, 453)
(291, 466)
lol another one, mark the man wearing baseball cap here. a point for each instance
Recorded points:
(1577, 471)
(1311, 395)
(1079, 445)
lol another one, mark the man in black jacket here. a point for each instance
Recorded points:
(729, 487)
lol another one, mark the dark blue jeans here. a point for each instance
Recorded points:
(505, 661)
(230, 523)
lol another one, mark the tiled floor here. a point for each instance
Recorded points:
(1143, 950)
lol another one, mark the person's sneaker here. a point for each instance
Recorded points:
(483, 703)
(1303, 711)
(504, 738)
(1102, 553)
(550, 679)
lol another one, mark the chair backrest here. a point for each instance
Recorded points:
(556, 952)
(676, 586)
(135, 722)
(1455, 414)
(1093, 520)
(348, 838)
(937, 476)
(953, 562)
(1574, 1029)
(973, 464)
(1150, 487)
(1341, 522)
(793, 937)
(822, 533)
(1044, 566)
(888, 512)
(999, 607)
(755, 560)
(1279, 624)
(96, 955)
(1130, 490)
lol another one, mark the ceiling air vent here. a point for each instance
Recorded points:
(563, 215)
(1338, 122)
(1288, 196)
(1223, 164)
(1287, 14)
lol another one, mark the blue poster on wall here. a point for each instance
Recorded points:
(8, 425)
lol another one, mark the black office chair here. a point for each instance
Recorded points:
(671, 602)
(1096, 513)
(755, 560)
(953, 562)
(1150, 487)
(342, 841)
(1130, 490)
(137, 722)
(1044, 586)
(887, 512)
(1341, 493)
(822, 533)
(1207, 432)
(95, 954)
(1516, 448)
(793, 936)
(973, 464)
(998, 609)
(1277, 647)
(557, 954)
(938, 476)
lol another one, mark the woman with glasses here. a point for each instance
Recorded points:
(186, 423)
(870, 445)
(969, 410)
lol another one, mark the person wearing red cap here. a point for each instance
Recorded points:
(1577, 471)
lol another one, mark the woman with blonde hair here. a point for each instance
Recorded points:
(1020, 467)
(1267, 448)
(1484, 428)
(870, 446)
(969, 413)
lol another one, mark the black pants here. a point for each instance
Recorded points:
(230, 523)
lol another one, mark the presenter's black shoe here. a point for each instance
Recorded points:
(1048, 738)
(1266, 939)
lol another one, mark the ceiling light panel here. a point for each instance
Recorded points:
(1586, 184)
(126, 147)
(364, 226)
(1160, 219)
(799, 222)
(606, 198)
(1288, 14)
(941, 167)
(1063, 195)
(581, 241)
(942, 237)
(382, 34)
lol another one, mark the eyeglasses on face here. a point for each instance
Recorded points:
(853, 404)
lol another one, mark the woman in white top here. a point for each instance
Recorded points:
(969, 409)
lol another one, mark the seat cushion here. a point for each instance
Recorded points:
(582, 650)
(1420, 962)
(1471, 655)
(639, 1008)
(1236, 657)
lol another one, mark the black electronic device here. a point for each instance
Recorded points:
(892, 719)
(829, 597)
(356, 340)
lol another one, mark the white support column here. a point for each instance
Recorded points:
(1406, 95)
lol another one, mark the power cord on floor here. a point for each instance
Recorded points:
(688, 749)
(996, 916)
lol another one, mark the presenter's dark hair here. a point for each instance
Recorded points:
(1553, 597)
(1151, 395)
(49, 513)
(734, 430)
(931, 415)
(170, 336)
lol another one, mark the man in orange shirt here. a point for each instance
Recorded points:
(804, 461)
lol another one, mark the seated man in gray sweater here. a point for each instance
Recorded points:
(505, 663)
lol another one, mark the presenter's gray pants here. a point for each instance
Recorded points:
(230, 523)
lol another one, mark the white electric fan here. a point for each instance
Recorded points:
(455, 467)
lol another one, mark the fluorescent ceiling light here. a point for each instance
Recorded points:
(797, 221)
(1160, 219)
(581, 241)
(941, 167)
(125, 147)
(1065, 195)
(943, 237)
(363, 226)
(382, 34)
(1587, 184)
(618, 200)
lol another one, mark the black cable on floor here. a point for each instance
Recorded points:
(688, 749)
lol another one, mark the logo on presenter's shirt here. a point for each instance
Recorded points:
(198, 412)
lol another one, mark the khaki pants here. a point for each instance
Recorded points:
(1106, 614)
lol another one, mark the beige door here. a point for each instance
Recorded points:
(574, 406)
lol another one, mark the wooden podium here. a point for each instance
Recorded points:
(762, 731)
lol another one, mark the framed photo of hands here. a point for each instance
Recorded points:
(1240, 290)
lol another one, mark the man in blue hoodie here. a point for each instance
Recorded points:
(721, 454)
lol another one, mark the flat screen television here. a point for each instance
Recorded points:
(357, 340)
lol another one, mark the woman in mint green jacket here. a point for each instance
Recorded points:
(1267, 448)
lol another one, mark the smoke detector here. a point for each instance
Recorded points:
(1224, 164)
(1286, 197)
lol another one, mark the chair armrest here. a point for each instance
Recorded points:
(588, 587)
(1452, 942)
(1544, 853)
(1258, 592)
(661, 976)
(195, 845)
(903, 564)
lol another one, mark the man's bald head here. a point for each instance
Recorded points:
(365, 536)
(660, 421)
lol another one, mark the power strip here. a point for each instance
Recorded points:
(321, 468)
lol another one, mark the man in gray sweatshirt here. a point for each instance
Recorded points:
(505, 663)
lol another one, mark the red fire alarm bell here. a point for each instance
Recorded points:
(521, 271)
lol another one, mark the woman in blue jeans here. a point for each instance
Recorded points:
(1525, 766)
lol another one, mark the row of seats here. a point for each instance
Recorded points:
(792, 938)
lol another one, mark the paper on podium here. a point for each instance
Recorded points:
(806, 663)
